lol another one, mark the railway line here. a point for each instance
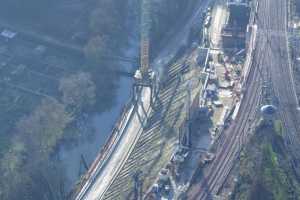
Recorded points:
(216, 173)
(149, 146)
(281, 73)
(271, 56)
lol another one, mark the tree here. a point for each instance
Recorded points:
(165, 16)
(78, 91)
(107, 24)
(12, 176)
(24, 175)
(27, 170)
(104, 23)
(108, 16)
(44, 128)
(95, 49)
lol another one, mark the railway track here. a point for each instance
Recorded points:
(232, 143)
(281, 69)
(272, 28)
(217, 172)
(242, 130)
(150, 146)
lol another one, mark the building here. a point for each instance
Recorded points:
(234, 31)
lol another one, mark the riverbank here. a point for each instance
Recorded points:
(98, 126)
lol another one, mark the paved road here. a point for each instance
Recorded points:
(270, 60)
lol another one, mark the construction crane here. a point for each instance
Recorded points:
(145, 41)
(144, 76)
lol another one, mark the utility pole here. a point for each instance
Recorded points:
(83, 164)
(137, 193)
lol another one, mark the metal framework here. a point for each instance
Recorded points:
(145, 42)
(144, 76)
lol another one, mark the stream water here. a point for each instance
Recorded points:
(103, 123)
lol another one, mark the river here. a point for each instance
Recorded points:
(102, 123)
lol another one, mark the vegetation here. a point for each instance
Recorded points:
(106, 25)
(110, 26)
(78, 91)
(33, 128)
(28, 156)
(265, 171)
(27, 7)
(28, 172)
(44, 127)
(166, 19)
(106, 34)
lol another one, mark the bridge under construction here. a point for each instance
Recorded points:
(145, 138)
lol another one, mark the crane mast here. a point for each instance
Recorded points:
(145, 76)
(145, 43)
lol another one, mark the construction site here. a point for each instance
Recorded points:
(172, 126)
